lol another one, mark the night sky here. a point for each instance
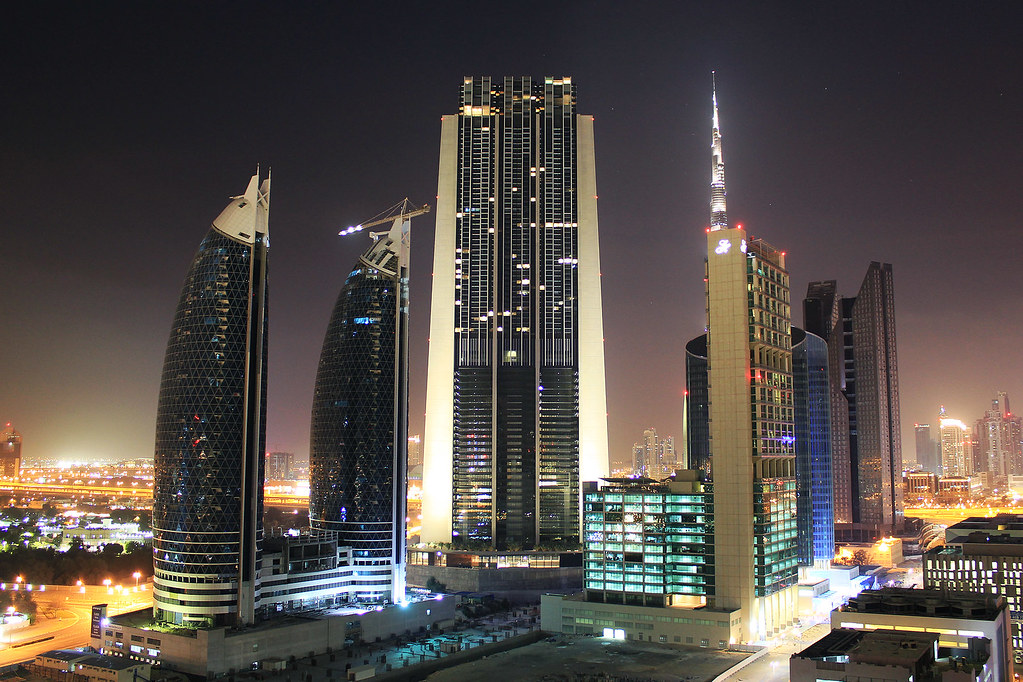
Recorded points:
(887, 132)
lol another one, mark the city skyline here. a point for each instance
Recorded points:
(860, 155)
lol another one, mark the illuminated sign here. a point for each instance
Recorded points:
(723, 246)
(99, 614)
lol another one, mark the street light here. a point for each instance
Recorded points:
(136, 575)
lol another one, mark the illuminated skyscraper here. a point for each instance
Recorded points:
(752, 432)
(813, 449)
(956, 453)
(10, 452)
(359, 434)
(210, 426)
(516, 413)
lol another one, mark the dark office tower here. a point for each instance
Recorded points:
(515, 413)
(926, 449)
(697, 404)
(359, 435)
(865, 403)
(10, 452)
(210, 427)
(878, 433)
(814, 508)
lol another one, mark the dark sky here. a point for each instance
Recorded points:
(872, 131)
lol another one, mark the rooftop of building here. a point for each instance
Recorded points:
(66, 655)
(682, 481)
(932, 603)
(143, 618)
(999, 522)
(868, 646)
(110, 662)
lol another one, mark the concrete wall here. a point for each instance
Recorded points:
(646, 623)
(499, 580)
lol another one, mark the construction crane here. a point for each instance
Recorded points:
(403, 209)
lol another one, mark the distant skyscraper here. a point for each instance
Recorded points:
(999, 434)
(10, 452)
(667, 456)
(867, 441)
(639, 459)
(752, 435)
(359, 435)
(516, 413)
(210, 427)
(279, 466)
(646, 455)
(956, 454)
(814, 507)
(926, 449)
(415, 451)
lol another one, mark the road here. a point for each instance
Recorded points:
(63, 619)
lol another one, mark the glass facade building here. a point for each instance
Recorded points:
(647, 543)
(210, 427)
(515, 400)
(359, 431)
(814, 511)
(697, 406)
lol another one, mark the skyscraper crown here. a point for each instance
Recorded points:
(718, 212)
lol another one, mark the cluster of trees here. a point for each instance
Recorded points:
(50, 567)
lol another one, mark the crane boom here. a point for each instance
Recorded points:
(400, 210)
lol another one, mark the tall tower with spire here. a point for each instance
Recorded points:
(752, 431)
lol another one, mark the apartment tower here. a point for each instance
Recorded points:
(516, 413)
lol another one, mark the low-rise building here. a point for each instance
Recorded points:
(985, 555)
(216, 651)
(958, 618)
(886, 656)
(83, 666)
(648, 562)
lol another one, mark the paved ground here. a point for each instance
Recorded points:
(591, 658)
(62, 620)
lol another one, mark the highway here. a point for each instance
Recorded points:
(62, 620)
(272, 497)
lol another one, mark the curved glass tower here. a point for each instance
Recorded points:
(812, 407)
(210, 427)
(359, 433)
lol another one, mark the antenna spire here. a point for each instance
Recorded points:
(718, 213)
